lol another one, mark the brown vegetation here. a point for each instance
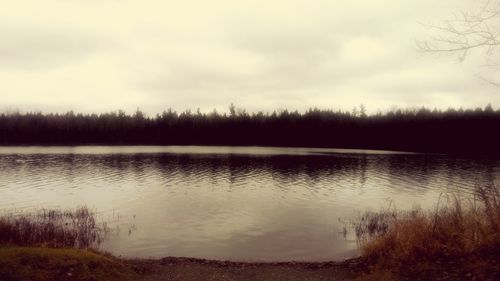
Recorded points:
(53, 228)
(460, 240)
(56, 245)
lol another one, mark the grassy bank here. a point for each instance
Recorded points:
(56, 245)
(459, 240)
(51, 264)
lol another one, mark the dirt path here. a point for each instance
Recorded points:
(180, 269)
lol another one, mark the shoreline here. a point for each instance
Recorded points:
(70, 264)
(64, 264)
(355, 261)
(193, 269)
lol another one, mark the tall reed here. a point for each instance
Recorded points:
(463, 233)
(54, 228)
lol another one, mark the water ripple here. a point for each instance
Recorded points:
(247, 204)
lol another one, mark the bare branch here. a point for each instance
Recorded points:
(467, 31)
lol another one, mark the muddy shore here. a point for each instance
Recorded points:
(189, 269)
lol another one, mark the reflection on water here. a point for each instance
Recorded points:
(263, 204)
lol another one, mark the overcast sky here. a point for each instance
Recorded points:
(104, 55)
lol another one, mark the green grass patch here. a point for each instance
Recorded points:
(44, 264)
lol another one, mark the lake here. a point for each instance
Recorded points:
(232, 203)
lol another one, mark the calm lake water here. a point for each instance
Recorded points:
(234, 203)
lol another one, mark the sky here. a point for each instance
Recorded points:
(105, 55)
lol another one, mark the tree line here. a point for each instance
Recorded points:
(422, 129)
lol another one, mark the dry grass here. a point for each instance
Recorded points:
(461, 237)
(53, 228)
(40, 246)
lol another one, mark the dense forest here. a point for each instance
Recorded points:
(451, 131)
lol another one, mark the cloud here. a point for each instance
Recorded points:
(38, 48)
(261, 55)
